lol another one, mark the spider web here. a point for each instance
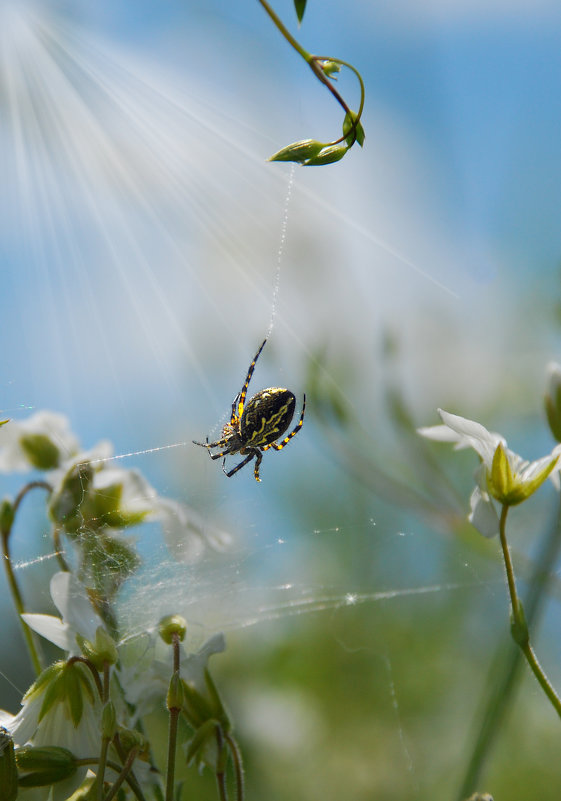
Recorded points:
(149, 249)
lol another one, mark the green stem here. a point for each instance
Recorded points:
(102, 765)
(504, 670)
(285, 32)
(221, 770)
(173, 723)
(123, 775)
(11, 576)
(238, 766)
(519, 626)
(131, 778)
(118, 769)
(105, 741)
(316, 65)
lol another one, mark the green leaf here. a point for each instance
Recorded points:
(300, 7)
(350, 133)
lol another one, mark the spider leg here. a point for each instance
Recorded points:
(278, 446)
(218, 444)
(239, 466)
(239, 401)
(258, 459)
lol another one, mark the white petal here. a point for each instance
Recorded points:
(194, 666)
(440, 433)
(71, 599)
(137, 495)
(483, 515)
(6, 718)
(532, 470)
(482, 441)
(54, 426)
(186, 532)
(53, 629)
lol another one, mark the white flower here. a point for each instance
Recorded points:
(43, 442)
(502, 475)
(78, 616)
(146, 670)
(186, 532)
(61, 708)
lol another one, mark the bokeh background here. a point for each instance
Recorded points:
(148, 248)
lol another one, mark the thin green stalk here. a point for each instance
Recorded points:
(118, 769)
(514, 600)
(519, 626)
(131, 778)
(238, 766)
(285, 32)
(105, 740)
(504, 670)
(221, 770)
(123, 775)
(18, 603)
(11, 576)
(174, 711)
(315, 64)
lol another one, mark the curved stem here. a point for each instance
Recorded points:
(285, 32)
(118, 769)
(123, 775)
(316, 65)
(514, 600)
(504, 670)
(238, 766)
(131, 778)
(519, 626)
(11, 576)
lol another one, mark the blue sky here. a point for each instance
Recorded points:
(142, 222)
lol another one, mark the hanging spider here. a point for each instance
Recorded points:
(256, 426)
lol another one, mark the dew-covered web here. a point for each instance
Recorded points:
(150, 249)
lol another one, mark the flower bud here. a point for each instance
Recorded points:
(102, 651)
(108, 720)
(298, 151)
(330, 68)
(40, 450)
(328, 155)
(175, 697)
(132, 739)
(8, 770)
(46, 765)
(553, 399)
(65, 504)
(509, 484)
(170, 625)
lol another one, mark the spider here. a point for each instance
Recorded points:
(256, 426)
